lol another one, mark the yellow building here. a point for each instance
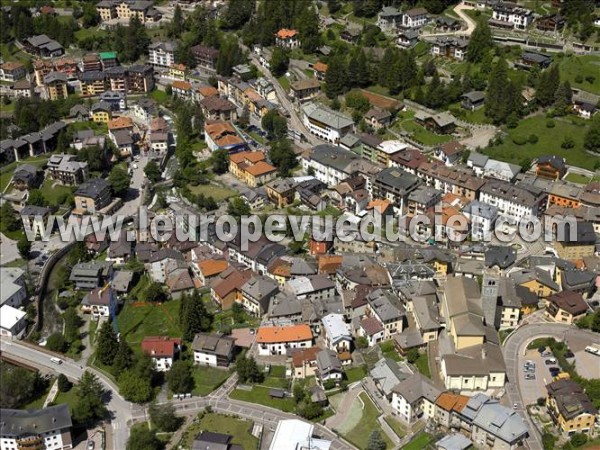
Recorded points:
(566, 307)
(56, 86)
(570, 408)
(462, 309)
(101, 112)
(178, 72)
(251, 168)
(538, 281)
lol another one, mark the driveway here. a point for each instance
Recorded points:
(8, 250)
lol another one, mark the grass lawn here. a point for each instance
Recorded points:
(260, 395)
(208, 379)
(423, 365)
(549, 140)
(240, 429)
(359, 435)
(53, 193)
(573, 67)
(224, 319)
(7, 171)
(160, 97)
(16, 263)
(477, 116)
(395, 425)
(419, 442)
(423, 135)
(137, 321)
(85, 33)
(388, 350)
(39, 401)
(10, 52)
(93, 326)
(284, 82)
(69, 398)
(576, 178)
(257, 137)
(355, 374)
(219, 193)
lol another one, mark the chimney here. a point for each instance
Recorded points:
(483, 353)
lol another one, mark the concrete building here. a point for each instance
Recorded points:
(162, 350)
(337, 333)
(280, 340)
(213, 350)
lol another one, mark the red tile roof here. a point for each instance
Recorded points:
(160, 346)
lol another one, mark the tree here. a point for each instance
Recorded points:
(282, 156)
(480, 43)
(164, 418)
(36, 198)
(119, 181)
(333, 6)
(502, 98)
(19, 386)
(309, 410)
(176, 25)
(548, 441)
(362, 342)
(152, 171)
(412, 355)
(592, 138)
(64, 385)
(193, 316)
(238, 13)
(376, 441)
(308, 26)
(141, 438)
(274, 124)
(56, 342)
(578, 439)
(135, 388)
(123, 359)
(220, 161)
(237, 311)
(280, 61)
(88, 404)
(8, 218)
(106, 343)
(299, 393)
(155, 293)
(180, 377)
(24, 247)
(238, 207)
(547, 87)
(336, 79)
(563, 98)
(248, 370)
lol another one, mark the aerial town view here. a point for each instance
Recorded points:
(299, 224)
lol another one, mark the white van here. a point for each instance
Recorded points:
(56, 360)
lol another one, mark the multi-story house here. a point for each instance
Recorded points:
(337, 333)
(117, 79)
(47, 428)
(101, 112)
(116, 100)
(205, 57)
(91, 63)
(450, 179)
(162, 350)
(422, 199)
(217, 108)
(43, 46)
(162, 54)
(570, 408)
(415, 18)
(389, 19)
(305, 89)
(92, 196)
(140, 79)
(68, 66)
(252, 168)
(257, 293)
(12, 71)
(93, 83)
(67, 170)
(287, 38)
(100, 302)
(13, 291)
(325, 123)
(394, 185)
(483, 218)
(514, 202)
(579, 240)
(281, 340)
(312, 287)
(108, 60)
(223, 135)
(389, 311)
(550, 166)
(213, 350)
(281, 192)
(127, 9)
(566, 307)
(55, 84)
(509, 15)
(414, 398)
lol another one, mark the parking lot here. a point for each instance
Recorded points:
(586, 364)
(534, 388)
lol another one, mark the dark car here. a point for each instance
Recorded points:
(569, 354)
(542, 349)
(550, 361)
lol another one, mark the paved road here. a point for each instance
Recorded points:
(121, 410)
(513, 351)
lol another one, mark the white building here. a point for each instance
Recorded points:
(12, 286)
(325, 123)
(510, 15)
(415, 18)
(414, 398)
(12, 321)
(162, 350)
(514, 202)
(162, 54)
(482, 217)
(480, 367)
(213, 350)
(48, 428)
(387, 308)
(295, 434)
(314, 287)
(278, 340)
(337, 333)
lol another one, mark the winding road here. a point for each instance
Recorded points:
(123, 412)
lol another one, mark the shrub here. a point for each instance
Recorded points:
(567, 142)
(329, 384)
(578, 78)
(590, 79)
(64, 385)
(550, 123)
(578, 439)
(519, 140)
(533, 139)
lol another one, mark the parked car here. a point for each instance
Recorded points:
(569, 354)
(550, 361)
(547, 353)
(530, 376)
